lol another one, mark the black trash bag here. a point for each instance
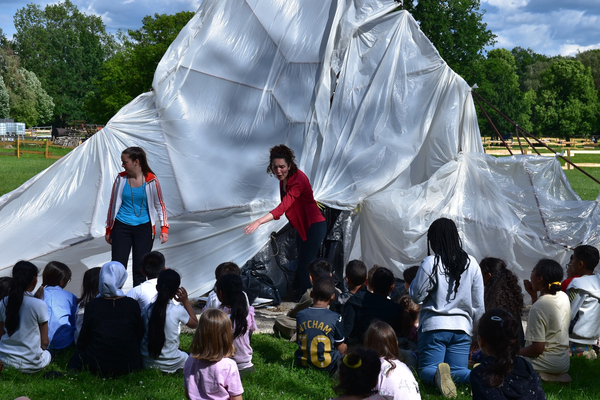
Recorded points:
(258, 284)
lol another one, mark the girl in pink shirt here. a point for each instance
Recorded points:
(234, 302)
(209, 372)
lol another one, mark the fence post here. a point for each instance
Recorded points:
(18, 147)
(569, 166)
(46, 152)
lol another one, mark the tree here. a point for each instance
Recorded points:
(455, 27)
(498, 83)
(567, 102)
(3, 39)
(131, 70)
(65, 49)
(591, 59)
(523, 59)
(28, 101)
(4, 105)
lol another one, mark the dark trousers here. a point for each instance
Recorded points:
(125, 237)
(307, 252)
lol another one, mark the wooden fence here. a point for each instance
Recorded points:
(18, 151)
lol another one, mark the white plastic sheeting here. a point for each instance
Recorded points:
(378, 121)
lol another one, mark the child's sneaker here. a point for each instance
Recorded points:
(443, 381)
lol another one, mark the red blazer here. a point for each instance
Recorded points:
(298, 204)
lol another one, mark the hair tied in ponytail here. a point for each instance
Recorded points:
(348, 364)
(553, 283)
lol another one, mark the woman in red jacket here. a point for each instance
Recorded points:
(300, 208)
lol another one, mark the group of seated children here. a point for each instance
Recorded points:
(361, 334)
(449, 294)
(115, 335)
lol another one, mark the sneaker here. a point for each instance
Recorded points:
(443, 381)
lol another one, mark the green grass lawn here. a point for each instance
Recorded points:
(276, 377)
(16, 171)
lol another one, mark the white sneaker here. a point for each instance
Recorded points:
(443, 381)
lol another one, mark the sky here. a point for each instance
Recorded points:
(549, 27)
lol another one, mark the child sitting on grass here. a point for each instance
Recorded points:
(210, 372)
(145, 292)
(547, 336)
(285, 325)
(24, 322)
(502, 290)
(502, 374)
(395, 378)
(235, 304)
(160, 345)
(89, 290)
(62, 305)
(112, 330)
(222, 269)
(584, 294)
(365, 307)
(356, 277)
(320, 330)
(358, 375)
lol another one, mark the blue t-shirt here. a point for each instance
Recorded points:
(62, 308)
(127, 214)
(319, 330)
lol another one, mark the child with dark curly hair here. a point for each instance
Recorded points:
(502, 290)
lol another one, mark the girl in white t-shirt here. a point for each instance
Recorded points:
(547, 336)
(395, 378)
(209, 372)
(24, 322)
(234, 302)
(358, 374)
(160, 345)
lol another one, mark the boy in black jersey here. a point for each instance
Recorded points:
(320, 331)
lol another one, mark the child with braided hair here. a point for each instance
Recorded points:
(547, 336)
(503, 374)
(449, 288)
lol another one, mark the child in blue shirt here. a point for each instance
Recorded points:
(320, 331)
(62, 305)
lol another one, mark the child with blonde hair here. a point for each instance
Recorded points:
(210, 372)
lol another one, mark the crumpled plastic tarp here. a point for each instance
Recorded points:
(380, 124)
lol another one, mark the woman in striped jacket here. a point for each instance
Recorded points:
(136, 199)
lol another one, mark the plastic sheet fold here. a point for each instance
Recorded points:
(381, 125)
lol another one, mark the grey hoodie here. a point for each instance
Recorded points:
(584, 294)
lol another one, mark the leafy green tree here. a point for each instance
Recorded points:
(498, 83)
(29, 102)
(455, 27)
(591, 59)
(3, 39)
(65, 48)
(4, 105)
(523, 59)
(567, 101)
(131, 70)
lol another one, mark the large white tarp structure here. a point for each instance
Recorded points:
(380, 124)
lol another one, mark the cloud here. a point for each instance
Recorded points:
(548, 27)
(128, 14)
(573, 49)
